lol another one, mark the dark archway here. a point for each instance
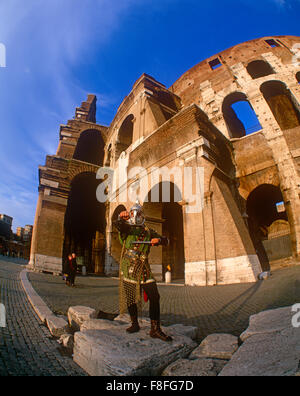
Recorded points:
(267, 213)
(282, 103)
(167, 219)
(298, 77)
(125, 135)
(85, 223)
(259, 68)
(239, 115)
(90, 147)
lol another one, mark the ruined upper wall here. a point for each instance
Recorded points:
(188, 85)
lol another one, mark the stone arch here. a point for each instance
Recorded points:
(298, 77)
(250, 183)
(266, 211)
(125, 136)
(84, 223)
(90, 147)
(239, 115)
(167, 219)
(282, 103)
(259, 68)
(75, 169)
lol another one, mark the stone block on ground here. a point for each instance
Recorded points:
(114, 352)
(180, 329)
(57, 326)
(199, 367)
(102, 324)
(218, 346)
(269, 354)
(67, 341)
(79, 314)
(268, 322)
(125, 318)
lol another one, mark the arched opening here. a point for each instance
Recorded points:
(85, 223)
(282, 104)
(268, 224)
(298, 77)
(125, 135)
(115, 245)
(239, 115)
(167, 219)
(259, 68)
(90, 147)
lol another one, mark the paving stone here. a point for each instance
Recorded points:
(268, 322)
(26, 346)
(187, 331)
(57, 326)
(79, 314)
(199, 367)
(218, 346)
(270, 354)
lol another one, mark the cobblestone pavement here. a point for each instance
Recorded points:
(212, 309)
(26, 346)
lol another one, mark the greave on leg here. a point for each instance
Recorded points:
(156, 331)
(134, 328)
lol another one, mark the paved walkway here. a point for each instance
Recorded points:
(212, 309)
(26, 346)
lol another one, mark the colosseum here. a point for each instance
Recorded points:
(245, 177)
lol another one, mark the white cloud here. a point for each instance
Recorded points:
(44, 39)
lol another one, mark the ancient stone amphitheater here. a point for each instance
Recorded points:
(224, 140)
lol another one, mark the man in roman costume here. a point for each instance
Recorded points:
(135, 272)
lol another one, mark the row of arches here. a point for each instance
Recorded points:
(85, 226)
(241, 119)
(238, 113)
(90, 145)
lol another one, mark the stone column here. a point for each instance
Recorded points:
(34, 232)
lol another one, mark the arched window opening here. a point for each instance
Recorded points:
(268, 224)
(164, 214)
(259, 68)
(298, 77)
(125, 135)
(90, 147)
(239, 115)
(85, 224)
(282, 103)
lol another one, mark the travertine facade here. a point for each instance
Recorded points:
(248, 179)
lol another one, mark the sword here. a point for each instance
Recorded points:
(141, 242)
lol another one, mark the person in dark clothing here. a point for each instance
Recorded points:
(72, 270)
(66, 269)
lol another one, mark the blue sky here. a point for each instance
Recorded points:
(58, 51)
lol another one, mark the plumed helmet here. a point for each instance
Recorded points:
(137, 216)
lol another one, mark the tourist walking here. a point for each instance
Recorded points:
(72, 269)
